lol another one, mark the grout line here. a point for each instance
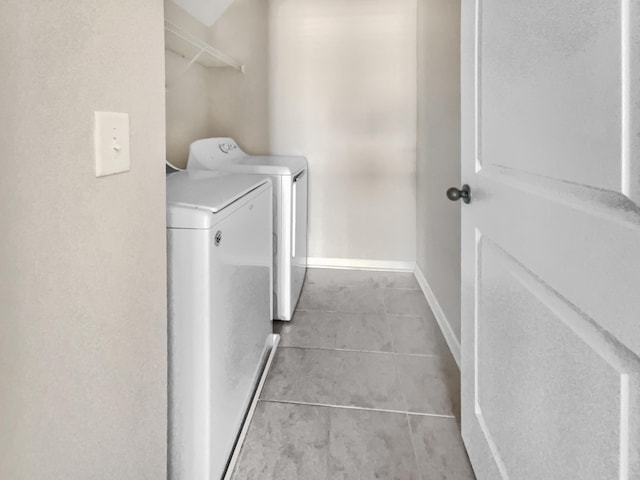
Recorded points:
(421, 355)
(411, 289)
(404, 396)
(395, 363)
(413, 446)
(336, 311)
(299, 309)
(352, 407)
(404, 289)
(393, 347)
(359, 285)
(407, 315)
(328, 437)
(411, 315)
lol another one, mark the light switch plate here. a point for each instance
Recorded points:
(111, 143)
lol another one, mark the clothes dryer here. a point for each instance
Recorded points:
(219, 244)
(289, 177)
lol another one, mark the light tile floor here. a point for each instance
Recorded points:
(362, 387)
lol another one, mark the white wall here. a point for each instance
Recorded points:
(219, 102)
(343, 93)
(439, 151)
(240, 102)
(188, 98)
(188, 101)
(82, 259)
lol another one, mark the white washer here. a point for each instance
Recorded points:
(219, 243)
(289, 177)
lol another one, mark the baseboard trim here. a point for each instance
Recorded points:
(441, 318)
(360, 264)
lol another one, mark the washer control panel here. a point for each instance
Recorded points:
(227, 148)
(209, 153)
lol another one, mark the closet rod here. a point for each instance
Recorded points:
(202, 46)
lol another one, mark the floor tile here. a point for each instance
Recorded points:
(334, 378)
(351, 331)
(300, 374)
(406, 302)
(363, 331)
(439, 449)
(367, 380)
(430, 384)
(285, 442)
(365, 278)
(326, 358)
(417, 335)
(309, 329)
(356, 299)
(368, 444)
(318, 297)
(347, 299)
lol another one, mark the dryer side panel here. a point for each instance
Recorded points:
(241, 303)
(189, 283)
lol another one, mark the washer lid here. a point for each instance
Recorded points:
(195, 196)
(266, 165)
(223, 153)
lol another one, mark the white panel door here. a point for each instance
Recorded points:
(551, 238)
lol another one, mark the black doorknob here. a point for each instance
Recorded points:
(464, 193)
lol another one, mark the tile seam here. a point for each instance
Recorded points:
(413, 446)
(404, 396)
(332, 349)
(351, 285)
(353, 407)
(336, 311)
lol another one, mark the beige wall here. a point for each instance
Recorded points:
(240, 102)
(439, 151)
(332, 80)
(188, 99)
(82, 259)
(343, 93)
(219, 102)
